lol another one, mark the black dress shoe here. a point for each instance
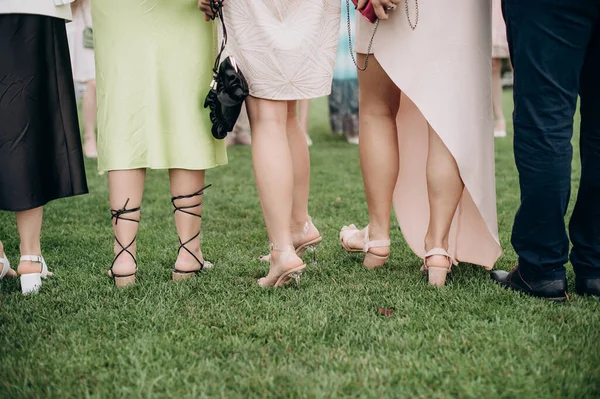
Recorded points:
(554, 290)
(587, 286)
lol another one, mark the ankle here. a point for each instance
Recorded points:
(379, 232)
(300, 231)
(123, 257)
(298, 221)
(284, 256)
(34, 249)
(28, 267)
(431, 243)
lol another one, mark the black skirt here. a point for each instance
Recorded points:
(40, 145)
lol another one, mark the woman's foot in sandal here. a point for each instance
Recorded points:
(190, 261)
(306, 237)
(124, 267)
(355, 240)
(188, 265)
(5, 270)
(437, 264)
(285, 267)
(32, 269)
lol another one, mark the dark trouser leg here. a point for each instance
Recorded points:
(548, 41)
(585, 223)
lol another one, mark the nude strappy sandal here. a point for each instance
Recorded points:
(372, 260)
(286, 276)
(437, 274)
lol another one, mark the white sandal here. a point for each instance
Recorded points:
(32, 282)
(371, 260)
(437, 274)
(6, 271)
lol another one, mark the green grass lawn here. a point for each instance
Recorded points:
(220, 335)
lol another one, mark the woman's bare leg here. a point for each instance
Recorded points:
(274, 173)
(301, 166)
(126, 188)
(29, 224)
(89, 120)
(183, 183)
(444, 188)
(378, 147)
(304, 116)
(499, 122)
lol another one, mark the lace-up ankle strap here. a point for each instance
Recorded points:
(184, 209)
(117, 214)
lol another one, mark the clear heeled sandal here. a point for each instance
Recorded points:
(303, 243)
(279, 273)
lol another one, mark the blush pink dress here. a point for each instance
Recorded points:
(443, 68)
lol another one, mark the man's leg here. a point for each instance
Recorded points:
(548, 41)
(585, 224)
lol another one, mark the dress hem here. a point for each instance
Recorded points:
(45, 202)
(184, 167)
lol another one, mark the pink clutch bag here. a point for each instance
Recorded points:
(368, 11)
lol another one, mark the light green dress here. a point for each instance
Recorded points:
(154, 63)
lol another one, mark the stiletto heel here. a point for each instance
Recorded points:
(284, 277)
(123, 280)
(371, 260)
(437, 274)
(313, 249)
(177, 274)
(303, 243)
(32, 282)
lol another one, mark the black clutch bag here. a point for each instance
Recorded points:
(228, 89)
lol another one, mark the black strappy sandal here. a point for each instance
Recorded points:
(129, 279)
(180, 274)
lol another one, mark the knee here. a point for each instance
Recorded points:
(267, 113)
(379, 107)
